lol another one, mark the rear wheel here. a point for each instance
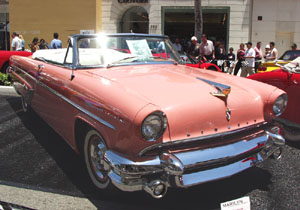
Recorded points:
(94, 149)
(25, 102)
(25, 105)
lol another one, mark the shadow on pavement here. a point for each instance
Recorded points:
(294, 144)
(61, 169)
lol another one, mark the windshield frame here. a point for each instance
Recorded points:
(75, 49)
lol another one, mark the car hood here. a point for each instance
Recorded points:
(185, 95)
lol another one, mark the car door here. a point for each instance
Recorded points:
(52, 97)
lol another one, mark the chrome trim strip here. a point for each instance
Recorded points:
(69, 101)
(14, 68)
(77, 106)
(184, 141)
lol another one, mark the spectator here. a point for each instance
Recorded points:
(273, 52)
(230, 60)
(207, 49)
(161, 46)
(23, 42)
(220, 55)
(258, 55)
(34, 45)
(267, 52)
(43, 44)
(177, 45)
(294, 46)
(16, 43)
(56, 43)
(85, 43)
(194, 49)
(240, 56)
(248, 67)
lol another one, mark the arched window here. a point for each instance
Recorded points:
(135, 20)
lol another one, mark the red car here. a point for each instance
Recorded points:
(286, 78)
(189, 61)
(4, 58)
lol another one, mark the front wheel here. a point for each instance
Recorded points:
(5, 68)
(94, 150)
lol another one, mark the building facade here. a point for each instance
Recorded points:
(36, 18)
(227, 21)
(278, 21)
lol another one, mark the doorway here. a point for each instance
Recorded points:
(135, 20)
(283, 42)
(180, 22)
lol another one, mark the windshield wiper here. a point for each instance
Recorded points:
(118, 61)
(141, 57)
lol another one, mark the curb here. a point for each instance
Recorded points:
(8, 90)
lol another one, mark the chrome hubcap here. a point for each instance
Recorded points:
(96, 150)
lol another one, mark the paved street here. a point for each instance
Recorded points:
(39, 170)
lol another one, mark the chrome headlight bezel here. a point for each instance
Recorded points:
(154, 126)
(280, 105)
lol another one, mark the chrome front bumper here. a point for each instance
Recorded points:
(183, 169)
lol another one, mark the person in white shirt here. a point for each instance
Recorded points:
(273, 52)
(249, 64)
(207, 49)
(16, 43)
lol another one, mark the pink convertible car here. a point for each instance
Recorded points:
(143, 120)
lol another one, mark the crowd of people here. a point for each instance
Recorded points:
(18, 43)
(247, 58)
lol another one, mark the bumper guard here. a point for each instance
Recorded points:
(183, 169)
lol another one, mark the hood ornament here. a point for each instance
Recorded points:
(222, 90)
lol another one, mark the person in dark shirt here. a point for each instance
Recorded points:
(230, 59)
(43, 44)
(220, 55)
(34, 45)
(240, 57)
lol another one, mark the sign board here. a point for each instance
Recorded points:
(238, 204)
(139, 47)
(87, 31)
(133, 1)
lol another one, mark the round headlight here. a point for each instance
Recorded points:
(280, 105)
(154, 125)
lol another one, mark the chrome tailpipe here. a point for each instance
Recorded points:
(157, 188)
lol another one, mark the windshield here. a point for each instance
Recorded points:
(125, 50)
(290, 55)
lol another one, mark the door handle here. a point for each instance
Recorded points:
(40, 68)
